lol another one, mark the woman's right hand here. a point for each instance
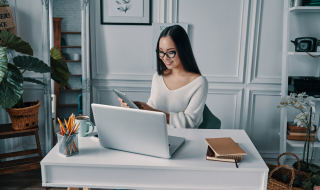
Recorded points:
(122, 103)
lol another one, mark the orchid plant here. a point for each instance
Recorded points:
(306, 105)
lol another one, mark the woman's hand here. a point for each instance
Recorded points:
(122, 103)
(144, 106)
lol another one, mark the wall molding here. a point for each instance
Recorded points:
(251, 92)
(85, 51)
(238, 92)
(254, 33)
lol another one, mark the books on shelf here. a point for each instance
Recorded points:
(294, 128)
(224, 149)
(299, 133)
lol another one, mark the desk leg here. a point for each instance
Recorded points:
(73, 188)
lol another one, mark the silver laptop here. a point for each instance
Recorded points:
(134, 130)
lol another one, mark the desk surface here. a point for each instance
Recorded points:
(128, 170)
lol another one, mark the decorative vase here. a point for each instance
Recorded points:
(316, 187)
(24, 118)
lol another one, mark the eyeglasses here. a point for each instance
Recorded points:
(170, 54)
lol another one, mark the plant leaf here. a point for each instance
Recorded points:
(31, 64)
(60, 70)
(16, 43)
(118, 2)
(315, 179)
(55, 78)
(3, 63)
(28, 79)
(55, 53)
(11, 87)
(284, 177)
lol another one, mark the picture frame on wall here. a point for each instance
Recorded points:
(126, 12)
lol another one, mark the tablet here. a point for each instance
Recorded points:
(125, 99)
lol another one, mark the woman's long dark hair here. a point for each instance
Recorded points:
(180, 38)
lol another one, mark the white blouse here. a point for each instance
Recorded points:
(185, 105)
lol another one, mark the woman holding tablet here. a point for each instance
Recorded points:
(178, 88)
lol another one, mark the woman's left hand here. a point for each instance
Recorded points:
(144, 106)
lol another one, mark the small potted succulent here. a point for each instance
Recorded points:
(24, 115)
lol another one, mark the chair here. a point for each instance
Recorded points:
(210, 121)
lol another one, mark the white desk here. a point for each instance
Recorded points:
(97, 167)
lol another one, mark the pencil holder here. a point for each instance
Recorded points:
(68, 144)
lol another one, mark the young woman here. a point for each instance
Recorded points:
(178, 89)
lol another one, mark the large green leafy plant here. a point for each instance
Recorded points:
(11, 74)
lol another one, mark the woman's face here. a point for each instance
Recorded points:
(166, 45)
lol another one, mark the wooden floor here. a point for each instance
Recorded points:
(26, 180)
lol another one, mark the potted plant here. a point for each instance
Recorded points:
(305, 104)
(25, 115)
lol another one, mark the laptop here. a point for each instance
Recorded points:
(134, 130)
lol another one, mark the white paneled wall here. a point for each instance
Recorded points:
(237, 45)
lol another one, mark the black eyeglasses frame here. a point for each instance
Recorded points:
(165, 54)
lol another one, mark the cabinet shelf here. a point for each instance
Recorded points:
(70, 32)
(70, 46)
(303, 53)
(68, 105)
(70, 89)
(72, 60)
(300, 144)
(307, 9)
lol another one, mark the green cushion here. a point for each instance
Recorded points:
(210, 121)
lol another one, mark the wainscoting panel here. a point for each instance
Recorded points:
(219, 45)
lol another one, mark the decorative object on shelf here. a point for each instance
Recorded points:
(67, 56)
(126, 12)
(306, 44)
(305, 104)
(11, 79)
(76, 56)
(311, 2)
(63, 42)
(6, 19)
(299, 84)
(286, 177)
(297, 3)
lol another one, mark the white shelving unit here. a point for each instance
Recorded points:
(286, 53)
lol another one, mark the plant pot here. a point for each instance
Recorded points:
(25, 118)
(303, 168)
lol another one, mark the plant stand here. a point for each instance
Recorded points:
(6, 131)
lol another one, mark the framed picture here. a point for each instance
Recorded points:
(126, 12)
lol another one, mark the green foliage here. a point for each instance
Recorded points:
(55, 53)
(60, 71)
(11, 87)
(15, 42)
(31, 64)
(3, 63)
(314, 178)
(11, 79)
(28, 79)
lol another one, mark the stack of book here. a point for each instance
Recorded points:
(298, 133)
(224, 150)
